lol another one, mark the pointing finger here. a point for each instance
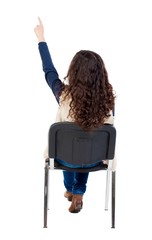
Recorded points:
(40, 22)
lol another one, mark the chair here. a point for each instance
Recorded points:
(67, 141)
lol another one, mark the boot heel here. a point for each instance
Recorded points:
(76, 204)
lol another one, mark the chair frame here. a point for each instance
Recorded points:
(50, 164)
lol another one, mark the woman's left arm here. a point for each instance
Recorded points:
(51, 74)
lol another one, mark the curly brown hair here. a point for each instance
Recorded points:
(91, 94)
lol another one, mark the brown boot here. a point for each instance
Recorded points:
(68, 195)
(76, 204)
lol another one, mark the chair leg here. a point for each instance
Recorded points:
(46, 184)
(107, 190)
(113, 198)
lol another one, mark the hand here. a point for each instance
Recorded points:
(39, 31)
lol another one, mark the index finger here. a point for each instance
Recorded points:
(40, 22)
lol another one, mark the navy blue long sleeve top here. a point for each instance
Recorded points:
(51, 74)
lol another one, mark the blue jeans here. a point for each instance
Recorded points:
(75, 182)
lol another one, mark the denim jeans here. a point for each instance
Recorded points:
(75, 182)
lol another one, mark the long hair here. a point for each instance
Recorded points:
(89, 89)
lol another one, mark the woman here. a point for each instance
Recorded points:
(87, 99)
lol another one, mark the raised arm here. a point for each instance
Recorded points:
(51, 74)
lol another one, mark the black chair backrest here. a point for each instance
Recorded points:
(68, 142)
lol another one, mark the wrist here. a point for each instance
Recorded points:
(41, 39)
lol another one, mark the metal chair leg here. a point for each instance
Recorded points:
(107, 190)
(46, 184)
(113, 198)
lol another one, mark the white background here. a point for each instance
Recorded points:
(120, 31)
